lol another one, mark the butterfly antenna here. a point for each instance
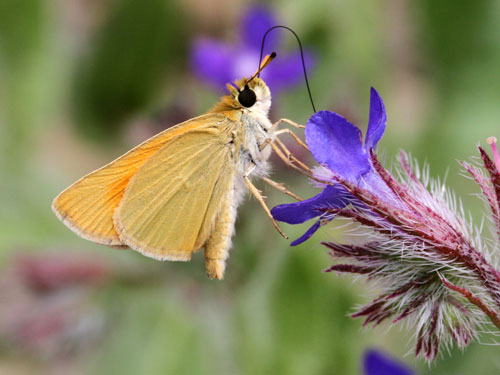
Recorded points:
(301, 56)
(265, 63)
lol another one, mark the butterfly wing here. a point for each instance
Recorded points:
(169, 207)
(87, 206)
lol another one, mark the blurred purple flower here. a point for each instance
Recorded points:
(337, 145)
(46, 308)
(48, 273)
(218, 63)
(378, 363)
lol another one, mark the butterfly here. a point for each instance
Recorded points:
(178, 192)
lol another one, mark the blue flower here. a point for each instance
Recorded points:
(218, 63)
(377, 363)
(417, 245)
(337, 146)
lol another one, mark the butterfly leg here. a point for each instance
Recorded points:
(286, 121)
(260, 199)
(280, 187)
(282, 151)
(284, 154)
(219, 242)
(294, 136)
(275, 125)
(284, 131)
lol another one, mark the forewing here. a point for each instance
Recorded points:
(87, 206)
(170, 204)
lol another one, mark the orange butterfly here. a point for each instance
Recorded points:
(178, 192)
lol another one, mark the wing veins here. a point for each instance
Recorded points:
(159, 211)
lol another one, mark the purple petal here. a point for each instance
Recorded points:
(258, 19)
(213, 62)
(296, 213)
(286, 70)
(377, 363)
(307, 234)
(336, 142)
(376, 122)
(372, 182)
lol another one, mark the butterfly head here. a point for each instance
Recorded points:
(253, 95)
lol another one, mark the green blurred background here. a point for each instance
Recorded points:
(82, 81)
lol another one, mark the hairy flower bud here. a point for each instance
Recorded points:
(432, 266)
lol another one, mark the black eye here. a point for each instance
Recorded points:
(247, 97)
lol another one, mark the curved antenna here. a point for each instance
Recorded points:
(301, 56)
